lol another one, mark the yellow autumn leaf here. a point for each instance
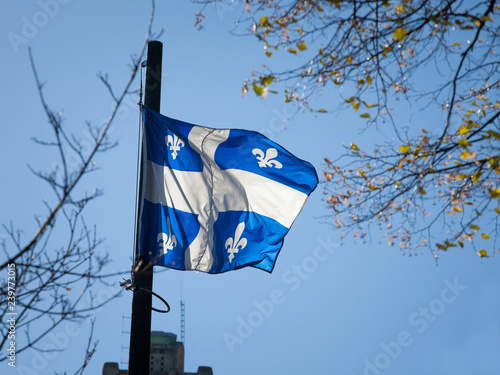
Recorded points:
(301, 46)
(482, 253)
(258, 89)
(494, 134)
(485, 236)
(399, 34)
(404, 149)
(399, 8)
(466, 155)
(495, 193)
(476, 177)
(469, 112)
(365, 115)
(386, 51)
(441, 247)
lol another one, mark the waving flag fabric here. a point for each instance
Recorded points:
(215, 200)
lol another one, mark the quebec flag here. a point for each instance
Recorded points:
(215, 200)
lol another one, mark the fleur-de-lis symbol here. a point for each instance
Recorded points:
(175, 144)
(266, 161)
(233, 246)
(166, 241)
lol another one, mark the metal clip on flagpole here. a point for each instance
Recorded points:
(129, 285)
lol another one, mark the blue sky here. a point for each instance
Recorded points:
(329, 307)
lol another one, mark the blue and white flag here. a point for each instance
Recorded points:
(215, 200)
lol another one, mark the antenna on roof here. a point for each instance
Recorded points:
(183, 322)
(183, 319)
(126, 333)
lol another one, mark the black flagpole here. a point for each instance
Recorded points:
(140, 330)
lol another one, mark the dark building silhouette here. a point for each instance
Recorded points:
(166, 358)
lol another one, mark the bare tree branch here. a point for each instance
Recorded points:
(57, 269)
